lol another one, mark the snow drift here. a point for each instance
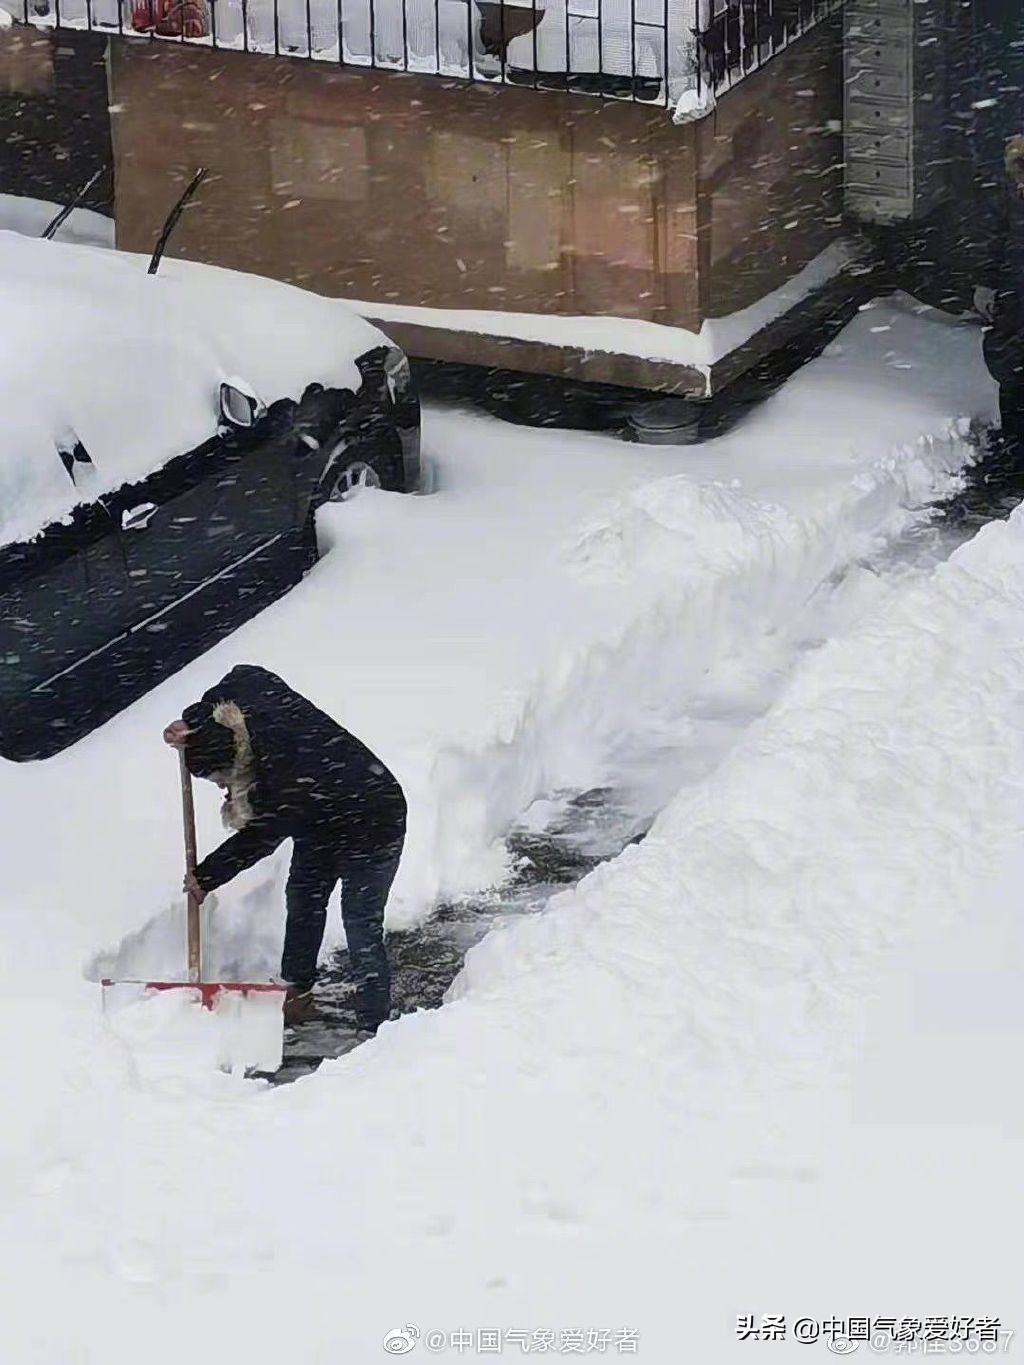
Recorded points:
(646, 1107)
(657, 586)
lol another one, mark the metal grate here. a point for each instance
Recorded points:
(650, 51)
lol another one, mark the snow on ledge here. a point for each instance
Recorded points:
(634, 336)
(694, 104)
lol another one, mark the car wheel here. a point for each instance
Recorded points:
(367, 455)
(348, 479)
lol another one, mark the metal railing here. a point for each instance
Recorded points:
(650, 51)
(736, 37)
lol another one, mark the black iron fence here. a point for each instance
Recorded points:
(667, 52)
(738, 36)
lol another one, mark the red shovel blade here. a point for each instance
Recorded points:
(206, 990)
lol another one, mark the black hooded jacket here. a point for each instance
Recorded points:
(294, 773)
(1001, 237)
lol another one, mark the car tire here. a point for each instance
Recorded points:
(351, 465)
(367, 459)
(349, 478)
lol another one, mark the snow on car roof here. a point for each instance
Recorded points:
(131, 363)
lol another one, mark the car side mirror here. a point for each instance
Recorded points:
(239, 406)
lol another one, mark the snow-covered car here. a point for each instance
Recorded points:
(165, 442)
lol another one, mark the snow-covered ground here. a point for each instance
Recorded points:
(761, 1063)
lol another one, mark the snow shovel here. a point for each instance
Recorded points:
(250, 1012)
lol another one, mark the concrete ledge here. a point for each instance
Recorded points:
(536, 357)
(840, 298)
(446, 337)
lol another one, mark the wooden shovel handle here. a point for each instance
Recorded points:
(192, 925)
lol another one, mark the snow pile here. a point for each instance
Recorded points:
(865, 806)
(611, 1087)
(131, 364)
(708, 985)
(635, 1111)
(670, 526)
(525, 681)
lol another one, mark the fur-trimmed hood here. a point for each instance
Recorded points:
(1013, 159)
(236, 812)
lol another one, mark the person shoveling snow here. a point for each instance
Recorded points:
(290, 771)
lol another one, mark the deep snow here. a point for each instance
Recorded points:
(647, 1107)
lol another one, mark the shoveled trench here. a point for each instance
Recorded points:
(580, 830)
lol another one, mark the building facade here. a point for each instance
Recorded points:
(488, 178)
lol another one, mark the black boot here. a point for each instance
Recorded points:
(299, 1007)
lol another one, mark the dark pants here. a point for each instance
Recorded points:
(1011, 410)
(1004, 356)
(366, 876)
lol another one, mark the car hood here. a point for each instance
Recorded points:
(95, 349)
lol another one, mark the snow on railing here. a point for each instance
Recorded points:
(663, 52)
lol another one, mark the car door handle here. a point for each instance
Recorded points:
(137, 518)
